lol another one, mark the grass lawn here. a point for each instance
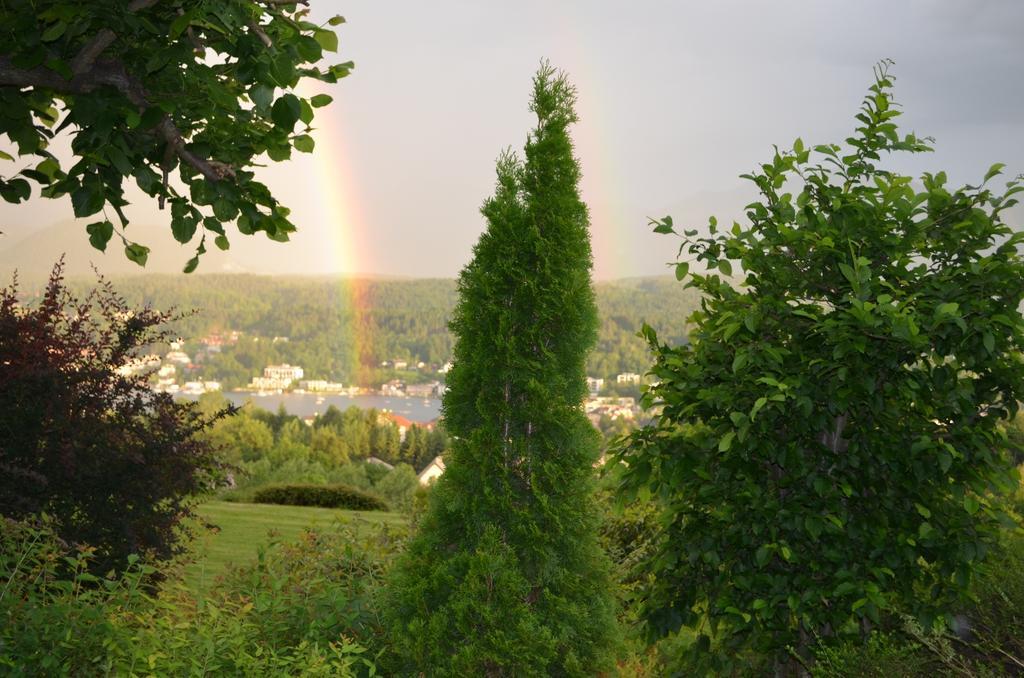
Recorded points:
(246, 527)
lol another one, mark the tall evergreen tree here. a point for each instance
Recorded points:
(505, 576)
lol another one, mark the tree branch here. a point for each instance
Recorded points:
(110, 73)
(87, 56)
(262, 34)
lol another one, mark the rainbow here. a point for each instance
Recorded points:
(614, 232)
(342, 220)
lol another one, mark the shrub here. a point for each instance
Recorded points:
(304, 609)
(829, 446)
(111, 461)
(326, 496)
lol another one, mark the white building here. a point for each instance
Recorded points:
(283, 372)
(146, 363)
(200, 387)
(178, 357)
(628, 378)
(594, 385)
(432, 472)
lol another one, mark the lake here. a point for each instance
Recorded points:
(305, 404)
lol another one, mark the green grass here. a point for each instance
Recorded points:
(244, 528)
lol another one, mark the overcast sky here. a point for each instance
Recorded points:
(676, 100)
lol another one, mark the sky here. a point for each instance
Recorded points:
(676, 100)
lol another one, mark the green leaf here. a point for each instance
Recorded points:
(662, 226)
(54, 31)
(261, 96)
(285, 112)
(971, 505)
(725, 267)
(739, 361)
(303, 143)
(221, 241)
(87, 199)
(137, 253)
(990, 342)
(726, 442)
(328, 40)
(224, 209)
(15, 190)
(336, 20)
(183, 223)
(994, 170)
(305, 112)
(100, 233)
(682, 269)
(321, 100)
(848, 273)
(179, 25)
(192, 264)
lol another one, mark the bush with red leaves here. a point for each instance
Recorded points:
(114, 464)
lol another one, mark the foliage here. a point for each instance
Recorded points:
(326, 496)
(266, 448)
(148, 87)
(830, 443)
(112, 462)
(505, 575)
(398, 488)
(301, 610)
(882, 655)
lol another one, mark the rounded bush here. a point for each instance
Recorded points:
(326, 496)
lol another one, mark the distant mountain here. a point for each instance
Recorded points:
(34, 255)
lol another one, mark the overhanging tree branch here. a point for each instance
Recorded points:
(110, 73)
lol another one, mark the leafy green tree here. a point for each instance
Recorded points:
(830, 443)
(328, 446)
(241, 438)
(155, 87)
(385, 441)
(414, 448)
(505, 576)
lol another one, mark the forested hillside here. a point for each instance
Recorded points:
(344, 329)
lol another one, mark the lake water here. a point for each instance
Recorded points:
(305, 404)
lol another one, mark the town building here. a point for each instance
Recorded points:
(628, 378)
(379, 462)
(321, 385)
(402, 423)
(422, 390)
(284, 372)
(594, 385)
(433, 471)
(395, 387)
(177, 356)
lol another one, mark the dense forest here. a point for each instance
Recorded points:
(343, 330)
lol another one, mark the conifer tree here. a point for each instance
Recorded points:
(505, 576)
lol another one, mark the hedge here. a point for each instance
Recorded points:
(327, 496)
